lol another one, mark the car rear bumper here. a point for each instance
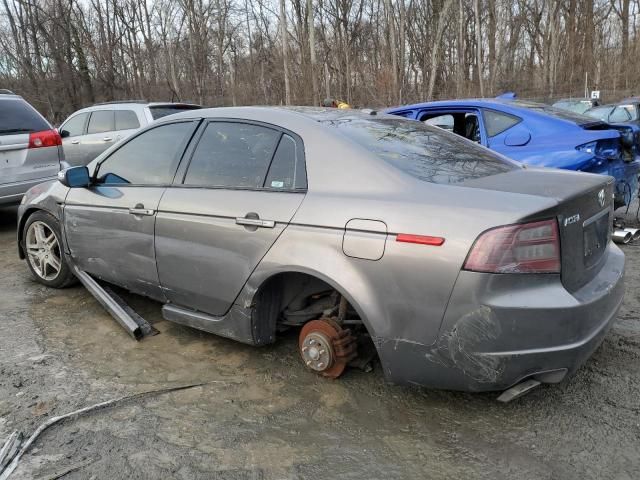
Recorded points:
(12, 193)
(501, 329)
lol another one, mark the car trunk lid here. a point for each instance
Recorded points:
(584, 211)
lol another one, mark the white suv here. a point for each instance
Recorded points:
(90, 131)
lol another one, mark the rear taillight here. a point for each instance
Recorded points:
(526, 248)
(46, 138)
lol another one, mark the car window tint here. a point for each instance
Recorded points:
(232, 155)
(75, 125)
(164, 110)
(101, 121)
(425, 152)
(126, 120)
(498, 122)
(150, 158)
(287, 170)
(17, 116)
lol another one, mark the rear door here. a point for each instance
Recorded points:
(242, 186)
(18, 162)
(110, 225)
(126, 123)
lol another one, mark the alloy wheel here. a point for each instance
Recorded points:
(43, 251)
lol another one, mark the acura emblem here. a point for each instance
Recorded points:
(601, 197)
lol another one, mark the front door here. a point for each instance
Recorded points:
(110, 226)
(72, 133)
(243, 185)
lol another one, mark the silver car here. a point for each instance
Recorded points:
(464, 269)
(30, 150)
(90, 131)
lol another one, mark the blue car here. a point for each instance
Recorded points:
(540, 135)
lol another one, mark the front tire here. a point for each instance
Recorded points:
(42, 244)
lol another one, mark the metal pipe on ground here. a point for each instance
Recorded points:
(621, 236)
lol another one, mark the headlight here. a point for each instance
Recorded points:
(588, 147)
(24, 200)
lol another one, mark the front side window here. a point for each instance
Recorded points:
(150, 158)
(101, 121)
(75, 125)
(232, 154)
(126, 120)
(427, 153)
(497, 122)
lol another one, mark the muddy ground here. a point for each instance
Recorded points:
(263, 416)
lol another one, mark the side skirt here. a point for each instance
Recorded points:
(236, 324)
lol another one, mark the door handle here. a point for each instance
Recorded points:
(107, 139)
(255, 222)
(75, 142)
(141, 211)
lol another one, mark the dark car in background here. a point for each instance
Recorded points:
(30, 149)
(538, 135)
(623, 112)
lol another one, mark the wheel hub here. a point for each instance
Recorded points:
(326, 347)
(43, 250)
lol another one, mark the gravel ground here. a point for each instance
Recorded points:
(263, 416)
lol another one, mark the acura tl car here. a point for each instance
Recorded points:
(467, 270)
(541, 136)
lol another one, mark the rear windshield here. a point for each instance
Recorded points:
(555, 112)
(17, 116)
(576, 106)
(164, 110)
(428, 153)
(601, 113)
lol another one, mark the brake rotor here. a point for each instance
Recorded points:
(326, 347)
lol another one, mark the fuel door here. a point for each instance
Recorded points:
(364, 239)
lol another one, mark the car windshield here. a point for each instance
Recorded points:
(601, 113)
(17, 116)
(427, 153)
(164, 110)
(575, 106)
(576, 118)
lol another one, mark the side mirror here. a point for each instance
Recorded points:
(64, 133)
(517, 139)
(75, 177)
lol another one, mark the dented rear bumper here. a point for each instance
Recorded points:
(501, 329)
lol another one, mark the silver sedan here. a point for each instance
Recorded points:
(464, 269)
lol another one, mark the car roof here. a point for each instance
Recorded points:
(313, 113)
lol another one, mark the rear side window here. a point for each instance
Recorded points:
(126, 120)
(442, 121)
(17, 116)
(232, 155)
(101, 121)
(498, 122)
(427, 153)
(163, 111)
(151, 158)
(75, 125)
(287, 170)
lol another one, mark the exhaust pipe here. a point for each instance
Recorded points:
(622, 236)
(635, 233)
